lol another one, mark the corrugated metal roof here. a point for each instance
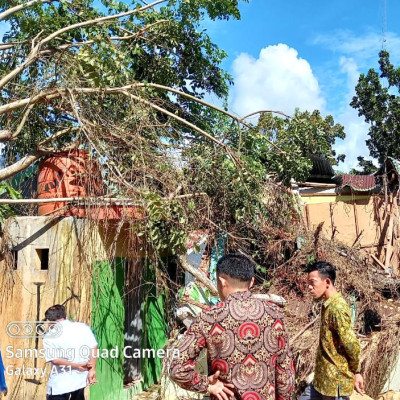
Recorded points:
(321, 167)
(359, 182)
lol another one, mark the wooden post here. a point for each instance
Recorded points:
(307, 216)
(389, 237)
(334, 230)
(356, 218)
(396, 234)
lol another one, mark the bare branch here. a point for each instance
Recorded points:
(99, 21)
(83, 123)
(15, 105)
(233, 116)
(7, 135)
(264, 112)
(5, 46)
(124, 90)
(197, 274)
(112, 38)
(15, 9)
(183, 121)
(58, 134)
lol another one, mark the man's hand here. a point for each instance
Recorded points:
(220, 389)
(359, 384)
(92, 376)
(82, 367)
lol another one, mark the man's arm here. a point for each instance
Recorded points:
(92, 363)
(182, 369)
(65, 363)
(284, 369)
(51, 349)
(341, 323)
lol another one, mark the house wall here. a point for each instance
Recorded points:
(352, 220)
(78, 263)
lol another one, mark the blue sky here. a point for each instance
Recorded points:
(308, 54)
(287, 54)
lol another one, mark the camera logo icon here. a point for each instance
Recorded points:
(33, 329)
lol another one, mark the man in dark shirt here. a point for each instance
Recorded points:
(246, 341)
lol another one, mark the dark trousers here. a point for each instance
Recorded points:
(312, 394)
(77, 395)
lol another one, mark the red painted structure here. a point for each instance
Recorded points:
(74, 174)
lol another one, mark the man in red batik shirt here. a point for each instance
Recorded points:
(247, 345)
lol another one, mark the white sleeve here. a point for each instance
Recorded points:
(51, 350)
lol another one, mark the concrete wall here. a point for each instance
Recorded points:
(28, 291)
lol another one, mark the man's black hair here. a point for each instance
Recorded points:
(236, 266)
(325, 269)
(55, 312)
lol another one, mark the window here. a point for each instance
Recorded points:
(42, 259)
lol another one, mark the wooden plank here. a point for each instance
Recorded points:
(366, 246)
(378, 262)
(358, 238)
(317, 185)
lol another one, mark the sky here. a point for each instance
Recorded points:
(308, 54)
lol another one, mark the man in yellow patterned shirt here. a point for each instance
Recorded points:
(337, 370)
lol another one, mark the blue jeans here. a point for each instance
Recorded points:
(312, 394)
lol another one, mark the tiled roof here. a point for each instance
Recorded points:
(359, 182)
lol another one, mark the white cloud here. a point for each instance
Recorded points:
(363, 48)
(277, 80)
(280, 80)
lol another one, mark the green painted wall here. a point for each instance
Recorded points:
(108, 315)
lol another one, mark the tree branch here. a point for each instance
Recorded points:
(264, 112)
(5, 46)
(7, 135)
(15, 9)
(99, 21)
(35, 53)
(89, 42)
(198, 275)
(58, 134)
(183, 121)
(124, 90)
(29, 159)
(20, 165)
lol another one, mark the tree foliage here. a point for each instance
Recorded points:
(377, 99)
(127, 85)
(304, 135)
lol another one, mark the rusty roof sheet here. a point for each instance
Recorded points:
(359, 182)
